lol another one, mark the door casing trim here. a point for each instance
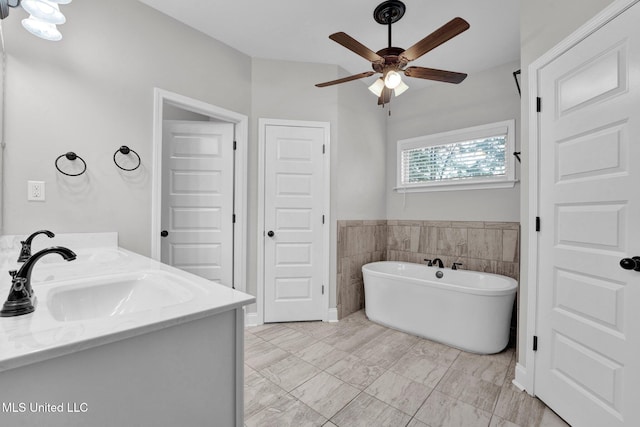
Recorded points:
(326, 232)
(526, 378)
(241, 130)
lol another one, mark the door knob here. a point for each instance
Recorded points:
(631, 263)
(164, 233)
(270, 233)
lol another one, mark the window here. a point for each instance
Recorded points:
(472, 158)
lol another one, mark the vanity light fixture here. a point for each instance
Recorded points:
(44, 16)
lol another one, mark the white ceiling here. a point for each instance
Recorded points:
(298, 30)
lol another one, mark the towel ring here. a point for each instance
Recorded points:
(126, 150)
(71, 156)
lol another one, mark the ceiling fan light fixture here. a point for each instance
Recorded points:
(377, 87)
(42, 29)
(44, 10)
(400, 89)
(392, 79)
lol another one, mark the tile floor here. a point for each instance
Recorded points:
(357, 373)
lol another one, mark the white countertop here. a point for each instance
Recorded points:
(39, 336)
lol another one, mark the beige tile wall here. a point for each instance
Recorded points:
(480, 246)
(359, 243)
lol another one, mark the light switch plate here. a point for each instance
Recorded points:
(35, 191)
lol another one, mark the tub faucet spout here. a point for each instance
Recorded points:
(21, 297)
(437, 262)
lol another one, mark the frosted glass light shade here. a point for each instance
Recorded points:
(44, 10)
(377, 87)
(400, 89)
(60, 1)
(42, 29)
(392, 80)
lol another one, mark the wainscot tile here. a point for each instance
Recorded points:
(467, 224)
(428, 240)
(452, 241)
(503, 225)
(485, 244)
(510, 246)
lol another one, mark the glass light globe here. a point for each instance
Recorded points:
(392, 79)
(400, 89)
(377, 87)
(44, 10)
(42, 29)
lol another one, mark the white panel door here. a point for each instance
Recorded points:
(588, 320)
(293, 244)
(197, 198)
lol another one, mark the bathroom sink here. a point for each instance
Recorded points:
(117, 295)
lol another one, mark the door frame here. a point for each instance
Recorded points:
(525, 377)
(326, 232)
(241, 131)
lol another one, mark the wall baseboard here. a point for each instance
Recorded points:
(251, 319)
(521, 377)
(332, 315)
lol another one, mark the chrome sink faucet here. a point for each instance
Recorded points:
(21, 297)
(25, 252)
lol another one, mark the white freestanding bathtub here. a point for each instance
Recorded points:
(465, 309)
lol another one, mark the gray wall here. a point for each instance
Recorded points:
(93, 92)
(285, 90)
(543, 24)
(485, 97)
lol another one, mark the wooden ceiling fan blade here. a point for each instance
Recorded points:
(435, 39)
(433, 74)
(347, 79)
(355, 46)
(385, 96)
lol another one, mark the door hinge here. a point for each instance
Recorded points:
(537, 223)
(323, 219)
(322, 289)
(235, 145)
(535, 343)
(233, 218)
(323, 148)
(538, 104)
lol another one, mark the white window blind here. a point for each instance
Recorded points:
(473, 156)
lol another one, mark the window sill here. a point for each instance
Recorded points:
(455, 187)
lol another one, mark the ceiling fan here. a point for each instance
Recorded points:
(391, 61)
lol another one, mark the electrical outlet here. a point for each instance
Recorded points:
(35, 190)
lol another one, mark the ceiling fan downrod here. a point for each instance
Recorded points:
(389, 12)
